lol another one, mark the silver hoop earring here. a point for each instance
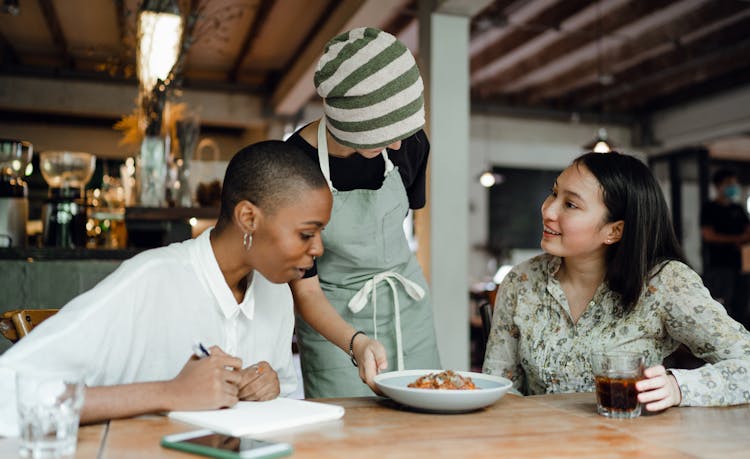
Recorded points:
(247, 240)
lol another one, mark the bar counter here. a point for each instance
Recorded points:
(56, 253)
(28, 274)
(34, 278)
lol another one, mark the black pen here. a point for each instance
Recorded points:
(200, 350)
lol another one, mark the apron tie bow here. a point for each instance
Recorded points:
(359, 301)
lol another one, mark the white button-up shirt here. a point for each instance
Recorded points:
(140, 323)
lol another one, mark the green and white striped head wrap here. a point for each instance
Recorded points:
(371, 89)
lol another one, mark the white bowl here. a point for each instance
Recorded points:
(489, 390)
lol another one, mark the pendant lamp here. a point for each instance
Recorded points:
(600, 143)
(159, 34)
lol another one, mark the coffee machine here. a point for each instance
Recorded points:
(64, 213)
(15, 155)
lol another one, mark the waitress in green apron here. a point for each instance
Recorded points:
(366, 295)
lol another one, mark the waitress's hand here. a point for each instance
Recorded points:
(659, 390)
(371, 359)
(259, 382)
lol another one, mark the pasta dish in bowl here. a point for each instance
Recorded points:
(442, 391)
(445, 380)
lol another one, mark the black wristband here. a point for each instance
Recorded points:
(351, 346)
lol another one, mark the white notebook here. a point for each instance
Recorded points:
(252, 418)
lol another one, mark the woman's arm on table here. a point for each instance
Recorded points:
(693, 318)
(316, 310)
(202, 384)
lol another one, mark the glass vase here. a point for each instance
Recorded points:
(152, 168)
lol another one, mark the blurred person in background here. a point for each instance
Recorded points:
(725, 227)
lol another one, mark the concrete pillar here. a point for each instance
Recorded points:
(444, 61)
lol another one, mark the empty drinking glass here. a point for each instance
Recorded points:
(49, 407)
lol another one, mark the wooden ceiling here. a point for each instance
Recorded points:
(624, 57)
(620, 56)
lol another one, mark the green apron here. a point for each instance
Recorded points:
(374, 282)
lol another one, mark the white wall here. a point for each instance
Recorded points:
(696, 123)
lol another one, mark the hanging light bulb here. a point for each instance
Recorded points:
(601, 143)
(159, 34)
(602, 146)
(488, 179)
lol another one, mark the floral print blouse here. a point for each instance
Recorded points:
(535, 344)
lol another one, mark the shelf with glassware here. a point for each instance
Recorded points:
(149, 227)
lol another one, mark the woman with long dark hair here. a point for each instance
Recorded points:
(613, 278)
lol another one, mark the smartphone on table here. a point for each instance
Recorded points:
(209, 443)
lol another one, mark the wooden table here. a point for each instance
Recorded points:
(515, 427)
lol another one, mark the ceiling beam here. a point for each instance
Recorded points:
(468, 8)
(500, 106)
(686, 60)
(657, 18)
(125, 67)
(402, 20)
(261, 13)
(637, 49)
(296, 87)
(522, 33)
(409, 36)
(53, 24)
(494, 23)
(686, 81)
(86, 98)
(719, 84)
(579, 41)
(493, 16)
(7, 53)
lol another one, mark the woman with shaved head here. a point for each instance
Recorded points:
(131, 337)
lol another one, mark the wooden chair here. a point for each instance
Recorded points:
(17, 323)
(485, 310)
(486, 307)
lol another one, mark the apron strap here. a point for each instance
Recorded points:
(359, 301)
(388, 164)
(323, 152)
(323, 155)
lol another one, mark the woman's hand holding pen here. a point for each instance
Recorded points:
(371, 359)
(207, 383)
(259, 382)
